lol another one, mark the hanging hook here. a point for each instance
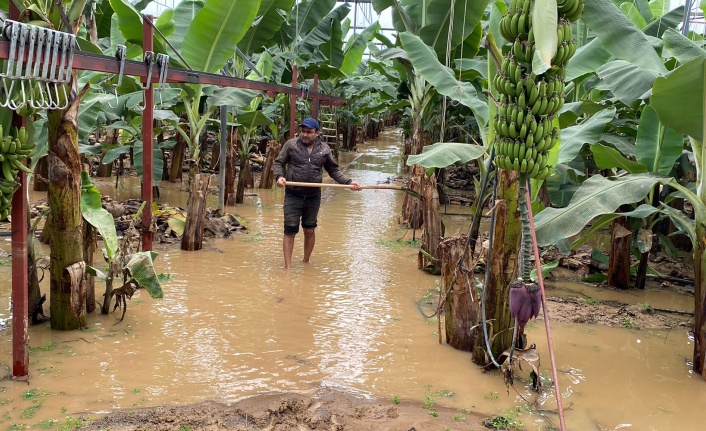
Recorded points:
(148, 82)
(24, 32)
(163, 64)
(120, 56)
(14, 32)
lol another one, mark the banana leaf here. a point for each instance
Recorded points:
(130, 25)
(270, 18)
(545, 22)
(400, 18)
(626, 81)
(589, 132)
(596, 196)
(355, 47)
(466, 15)
(141, 267)
(620, 37)
(681, 47)
(657, 147)
(97, 216)
(157, 162)
(641, 212)
(215, 31)
(443, 79)
(609, 158)
(444, 154)
(184, 14)
(679, 97)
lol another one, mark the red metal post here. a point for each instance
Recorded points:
(20, 339)
(147, 142)
(315, 102)
(293, 104)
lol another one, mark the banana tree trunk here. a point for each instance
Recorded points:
(175, 172)
(432, 231)
(231, 154)
(64, 175)
(267, 178)
(196, 214)
(700, 301)
(461, 306)
(504, 260)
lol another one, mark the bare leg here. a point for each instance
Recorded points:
(287, 248)
(309, 241)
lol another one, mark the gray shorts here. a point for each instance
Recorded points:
(300, 208)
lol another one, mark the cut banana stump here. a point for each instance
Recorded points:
(528, 103)
(13, 152)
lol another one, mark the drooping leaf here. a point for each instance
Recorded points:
(184, 13)
(355, 47)
(588, 132)
(596, 196)
(442, 78)
(400, 17)
(627, 81)
(444, 154)
(130, 24)
(544, 23)
(666, 21)
(215, 31)
(97, 216)
(681, 47)
(620, 36)
(587, 59)
(141, 267)
(641, 212)
(157, 162)
(657, 147)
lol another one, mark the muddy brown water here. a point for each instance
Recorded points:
(234, 324)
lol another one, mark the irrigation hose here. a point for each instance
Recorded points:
(550, 345)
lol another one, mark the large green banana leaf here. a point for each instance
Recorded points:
(620, 37)
(596, 196)
(666, 21)
(157, 162)
(184, 14)
(626, 81)
(657, 147)
(215, 31)
(97, 216)
(589, 132)
(681, 47)
(444, 154)
(641, 212)
(355, 47)
(443, 79)
(679, 98)
(326, 37)
(466, 16)
(270, 18)
(587, 59)
(304, 17)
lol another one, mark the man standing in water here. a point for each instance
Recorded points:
(304, 157)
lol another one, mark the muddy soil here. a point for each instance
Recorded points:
(328, 409)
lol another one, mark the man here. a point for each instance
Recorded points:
(304, 157)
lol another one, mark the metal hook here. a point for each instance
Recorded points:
(24, 32)
(120, 56)
(163, 65)
(148, 62)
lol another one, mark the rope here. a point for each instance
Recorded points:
(449, 35)
(550, 344)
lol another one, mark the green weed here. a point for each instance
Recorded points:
(645, 307)
(502, 423)
(46, 424)
(591, 301)
(34, 393)
(492, 395)
(45, 348)
(629, 323)
(396, 399)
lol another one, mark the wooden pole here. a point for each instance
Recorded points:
(315, 102)
(293, 105)
(147, 142)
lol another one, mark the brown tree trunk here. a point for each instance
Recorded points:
(433, 229)
(268, 177)
(193, 230)
(504, 260)
(89, 249)
(619, 264)
(412, 208)
(700, 301)
(243, 173)
(231, 170)
(461, 307)
(64, 208)
(175, 171)
(35, 300)
(41, 175)
(215, 156)
(106, 170)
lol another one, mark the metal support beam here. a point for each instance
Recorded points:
(104, 64)
(20, 227)
(147, 140)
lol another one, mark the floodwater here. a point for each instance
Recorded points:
(234, 324)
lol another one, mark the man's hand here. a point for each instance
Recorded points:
(281, 182)
(355, 186)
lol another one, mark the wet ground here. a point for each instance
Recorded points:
(234, 324)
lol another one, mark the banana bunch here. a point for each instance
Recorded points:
(528, 103)
(517, 22)
(13, 151)
(570, 9)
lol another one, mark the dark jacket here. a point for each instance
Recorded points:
(295, 163)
